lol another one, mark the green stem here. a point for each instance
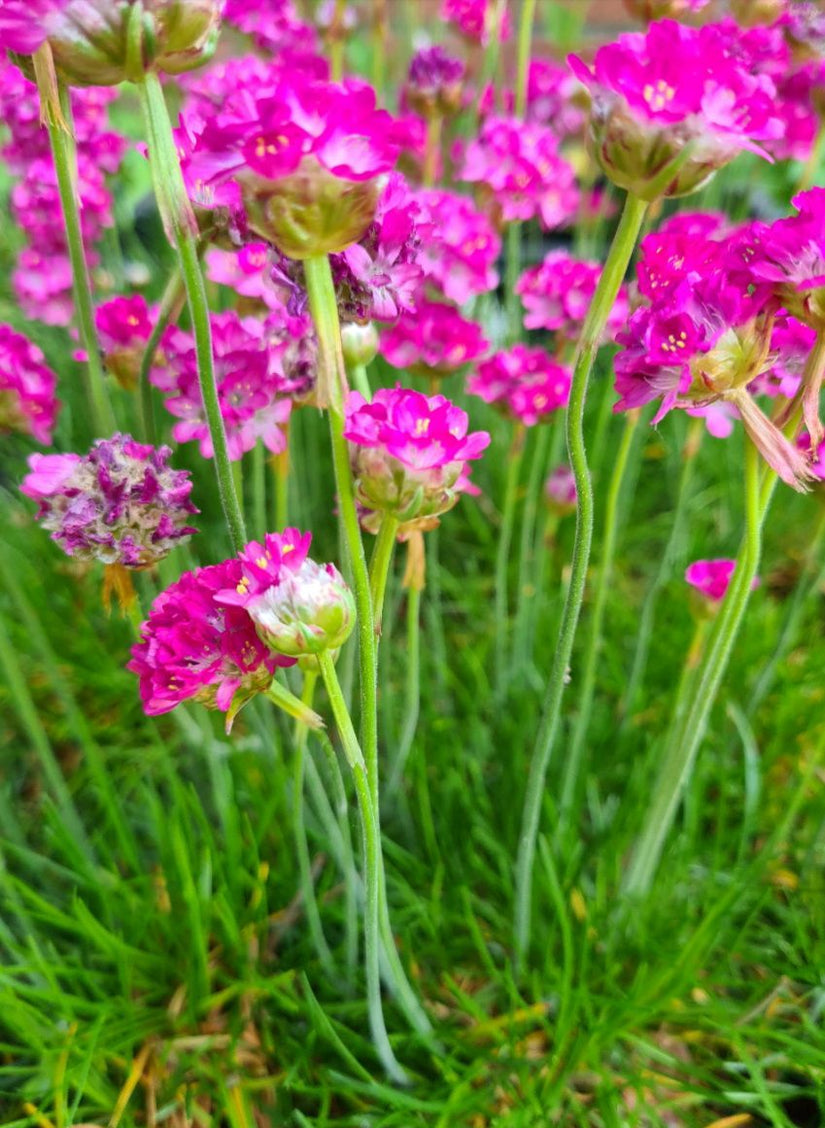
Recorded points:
(432, 150)
(259, 510)
(606, 291)
(361, 380)
(696, 430)
(170, 307)
(686, 737)
(65, 163)
(512, 269)
(307, 884)
(525, 34)
(380, 566)
(412, 689)
(515, 457)
(370, 831)
(573, 759)
(181, 228)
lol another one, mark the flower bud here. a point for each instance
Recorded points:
(309, 610)
(359, 343)
(434, 83)
(560, 490)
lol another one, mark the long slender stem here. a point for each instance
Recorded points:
(686, 737)
(380, 566)
(307, 885)
(573, 759)
(181, 228)
(170, 307)
(65, 163)
(525, 34)
(412, 688)
(324, 310)
(372, 863)
(606, 291)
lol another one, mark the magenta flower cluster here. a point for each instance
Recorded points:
(28, 404)
(409, 452)
(523, 382)
(254, 388)
(557, 294)
(676, 92)
(121, 503)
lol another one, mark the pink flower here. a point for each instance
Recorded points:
(654, 93)
(524, 382)
(304, 154)
(712, 578)
(274, 24)
(298, 607)
(519, 168)
(193, 647)
(121, 503)
(124, 326)
(434, 340)
(26, 24)
(560, 489)
(251, 388)
(462, 246)
(473, 18)
(408, 451)
(557, 294)
(27, 388)
(434, 82)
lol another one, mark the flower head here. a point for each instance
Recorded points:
(408, 451)
(434, 82)
(675, 93)
(27, 388)
(712, 578)
(121, 503)
(304, 155)
(474, 19)
(461, 249)
(524, 382)
(193, 647)
(556, 295)
(520, 172)
(434, 340)
(298, 607)
(560, 490)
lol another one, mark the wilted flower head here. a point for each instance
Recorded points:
(434, 81)
(27, 388)
(520, 172)
(408, 451)
(557, 294)
(298, 607)
(121, 503)
(193, 647)
(524, 382)
(433, 340)
(673, 92)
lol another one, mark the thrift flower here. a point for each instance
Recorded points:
(28, 404)
(557, 294)
(675, 92)
(560, 490)
(121, 503)
(461, 249)
(520, 172)
(474, 19)
(524, 382)
(194, 647)
(434, 82)
(434, 340)
(123, 329)
(252, 390)
(408, 451)
(712, 578)
(298, 607)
